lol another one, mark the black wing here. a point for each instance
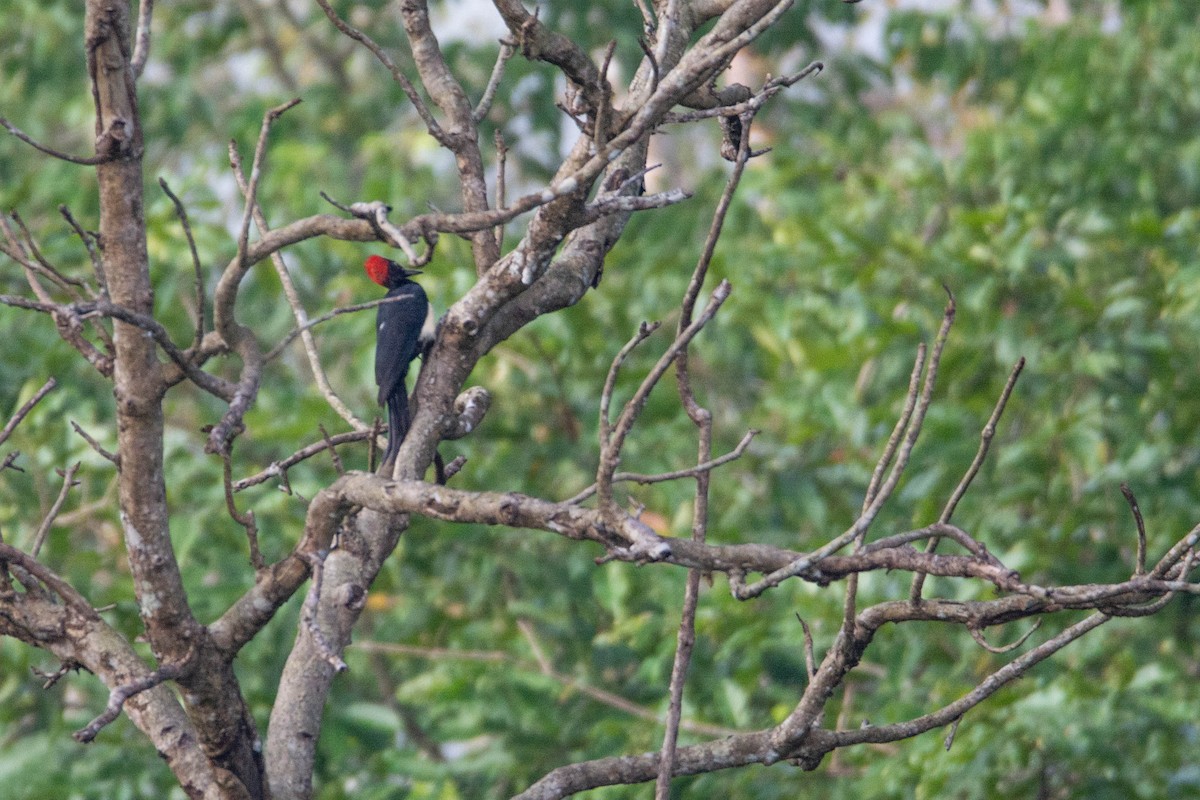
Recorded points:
(397, 336)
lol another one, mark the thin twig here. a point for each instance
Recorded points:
(841, 723)
(507, 49)
(34, 266)
(986, 688)
(1181, 585)
(68, 315)
(333, 454)
(810, 659)
(278, 469)
(309, 324)
(535, 646)
(648, 23)
(69, 594)
(44, 529)
(246, 520)
(24, 410)
(702, 419)
(501, 159)
(89, 240)
(644, 331)
(1179, 550)
(1140, 566)
(87, 161)
(714, 230)
(181, 212)
(985, 442)
(938, 529)
(893, 442)
(66, 283)
(649, 53)
(375, 212)
(118, 696)
(860, 526)
(454, 467)
(250, 191)
(610, 450)
(19, 253)
(388, 693)
(253, 210)
(977, 635)
(685, 642)
(95, 445)
(753, 104)
(373, 444)
(410, 91)
(918, 415)
(51, 678)
(141, 49)
(948, 742)
(690, 472)
(602, 110)
(618, 204)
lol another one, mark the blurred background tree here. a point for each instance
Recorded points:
(1040, 159)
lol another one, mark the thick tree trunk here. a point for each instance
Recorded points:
(211, 694)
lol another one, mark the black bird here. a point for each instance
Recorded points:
(404, 328)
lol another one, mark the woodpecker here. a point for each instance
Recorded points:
(404, 329)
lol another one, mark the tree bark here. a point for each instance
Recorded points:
(211, 694)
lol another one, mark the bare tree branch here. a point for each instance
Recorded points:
(90, 242)
(181, 212)
(645, 330)
(95, 445)
(690, 472)
(507, 51)
(610, 450)
(141, 50)
(43, 266)
(246, 520)
(309, 324)
(69, 329)
(293, 297)
(43, 529)
(893, 442)
(71, 316)
(860, 526)
(702, 419)
(410, 91)
(752, 105)
(986, 688)
(280, 467)
(238, 337)
(985, 441)
(1140, 564)
(26, 407)
(120, 694)
(87, 161)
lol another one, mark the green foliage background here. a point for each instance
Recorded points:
(1048, 175)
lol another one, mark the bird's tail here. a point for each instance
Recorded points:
(398, 424)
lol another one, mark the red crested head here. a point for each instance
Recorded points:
(377, 269)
